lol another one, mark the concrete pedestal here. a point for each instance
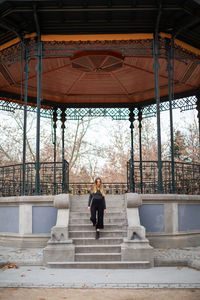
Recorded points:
(58, 252)
(137, 250)
(135, 246)
(60, 248)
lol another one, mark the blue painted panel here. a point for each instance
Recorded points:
(152, 217)
(44, 217)
(9, 219)
(188, 217)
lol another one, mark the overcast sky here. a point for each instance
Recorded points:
(102, 125)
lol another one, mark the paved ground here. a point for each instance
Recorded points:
(158, 277)
(162, 257)
(97, 294)
(31, 274)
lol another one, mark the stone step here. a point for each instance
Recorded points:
(107, 221)
(103, 233)
(107, 196)
(101, 265)
(86, 214)
(111, 201)
(97, 257)
(88, 227)
(102, 241)
(108, 203)
(98, 248)
(108, 209)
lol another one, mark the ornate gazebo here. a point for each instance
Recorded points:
(115, 58)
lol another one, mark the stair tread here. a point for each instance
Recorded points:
(104, 230)
(88, 212)
(90, 223)
(98, 253)
(75, 218)
(98, 262)
(82, 224)
(88, 246)
(105, 220)
(103, 238)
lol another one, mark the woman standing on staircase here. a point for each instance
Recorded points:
(97, 203)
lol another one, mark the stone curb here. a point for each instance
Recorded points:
(105, 285)
(192, 263)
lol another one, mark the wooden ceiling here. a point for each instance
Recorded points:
(99, 78)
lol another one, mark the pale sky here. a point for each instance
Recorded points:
(103, 125)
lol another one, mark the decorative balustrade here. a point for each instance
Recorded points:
(187, 179)
(51, 179)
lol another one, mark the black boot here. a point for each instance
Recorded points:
(97, 235)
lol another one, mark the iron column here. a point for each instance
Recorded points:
(140, 144)
(39, 82)
(63, 119)
(132, 180)
(156, 67)
(26, 71)
(169, 49)
(198, 116)
(54, 143)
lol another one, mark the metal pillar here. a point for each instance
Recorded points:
(140, 146)
(156, 67)
(169, 56)
(39, 82)
(198, 116)
(63, 119)
(54, 143)
(26, 71)
(132, 180)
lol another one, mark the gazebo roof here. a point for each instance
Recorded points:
(100, 17)
(99, 74)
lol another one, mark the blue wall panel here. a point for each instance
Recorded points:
(9, 219)
(188, 217)
(44, 217)
(152, 217)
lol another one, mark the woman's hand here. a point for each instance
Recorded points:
(88, 208)
(104, 211)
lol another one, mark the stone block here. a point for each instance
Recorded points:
(137, 250)
(61, 201)
(139, 231)
(133, 200)
(58, 252)
(59, 234)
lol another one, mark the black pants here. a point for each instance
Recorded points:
(97, 206)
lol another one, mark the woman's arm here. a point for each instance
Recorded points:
(90, 198)
(104, 202)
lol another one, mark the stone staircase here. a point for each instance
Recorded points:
(104, 252)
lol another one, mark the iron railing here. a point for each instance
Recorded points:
(187, 177)
(114, 188)
(51, 179)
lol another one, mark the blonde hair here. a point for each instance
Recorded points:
(101, 186)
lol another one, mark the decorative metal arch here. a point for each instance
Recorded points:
(138, 47)
(116, 113)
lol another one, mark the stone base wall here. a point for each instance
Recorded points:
(171, 221)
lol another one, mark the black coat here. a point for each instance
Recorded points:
(97, 195)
